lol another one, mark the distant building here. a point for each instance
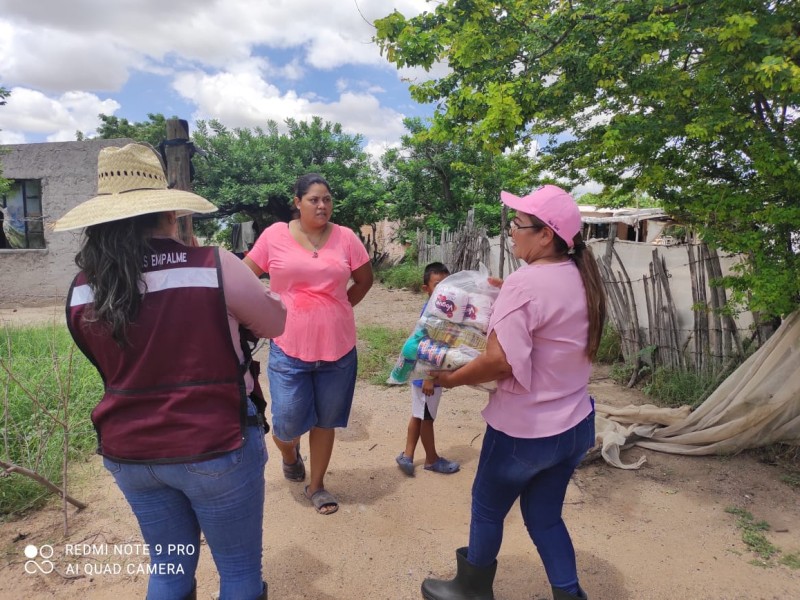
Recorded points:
(632, 224)
(37, 265)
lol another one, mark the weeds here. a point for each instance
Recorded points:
(48, 390)
(752, 534)
(791, 560)
(381, 347)
(405, 275)
(610, 349)
(792, 480)
(675, 388)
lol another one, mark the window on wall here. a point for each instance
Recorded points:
(21, 208)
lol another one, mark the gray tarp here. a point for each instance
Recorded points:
(758, 405)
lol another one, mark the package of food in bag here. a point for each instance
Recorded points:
(455, 322)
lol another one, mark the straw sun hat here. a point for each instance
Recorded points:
(130, 182)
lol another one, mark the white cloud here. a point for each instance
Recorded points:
(216, 53)
(12, 137)
(245, 99)
(32, 111)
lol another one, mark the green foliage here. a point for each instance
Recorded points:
(792, 480)
(5, 184)
(693, 104)
(433, 182)
(791, 560)
(153, 131)
(44, 364)
(752, 533)
(672, 387)
(610, 350)
(253, 171)
(403, 276)
(378, 350)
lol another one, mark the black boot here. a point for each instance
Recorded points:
(559, 594)
(470, 583)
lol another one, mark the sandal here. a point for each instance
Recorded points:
(322, 499)
(442, 465)
(405, 463)
(297, 470)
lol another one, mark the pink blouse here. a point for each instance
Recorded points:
(320, 324)
(542, 324)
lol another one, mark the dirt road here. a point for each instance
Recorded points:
(659, 533)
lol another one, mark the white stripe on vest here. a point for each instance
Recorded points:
(158, 281)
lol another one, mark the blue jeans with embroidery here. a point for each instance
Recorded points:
(537, 471)
(222, 497)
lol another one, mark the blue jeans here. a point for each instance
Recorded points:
(222, 497)
(308, 394)
(537, 471)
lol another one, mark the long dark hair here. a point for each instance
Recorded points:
(592, 282)
(111, 257)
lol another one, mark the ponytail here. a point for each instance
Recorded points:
(595, 293)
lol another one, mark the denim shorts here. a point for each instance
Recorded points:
(309, 394)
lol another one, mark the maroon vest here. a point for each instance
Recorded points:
(176, 392)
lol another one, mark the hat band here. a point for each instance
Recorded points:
(126, 191)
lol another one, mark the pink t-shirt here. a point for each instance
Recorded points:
(320, 324)
(542, 324)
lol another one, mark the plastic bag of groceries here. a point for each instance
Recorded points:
(452, 329)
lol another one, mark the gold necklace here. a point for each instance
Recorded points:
(316, 246)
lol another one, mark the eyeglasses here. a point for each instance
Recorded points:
(514, 226)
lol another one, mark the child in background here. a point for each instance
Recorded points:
(425, 402)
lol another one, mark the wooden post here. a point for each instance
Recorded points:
(178, 170)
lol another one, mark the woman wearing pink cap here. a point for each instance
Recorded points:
(543, 335)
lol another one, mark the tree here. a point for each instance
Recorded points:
(253, 171)
(692, 102)
(153, 131)
(433, 183)
(5, 184)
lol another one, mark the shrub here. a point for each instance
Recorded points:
(610, 350)
(669, 387)
(404, 275)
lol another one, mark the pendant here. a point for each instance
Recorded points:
(315, 255)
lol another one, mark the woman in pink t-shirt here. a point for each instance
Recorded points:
(312, 366)
(543, 334)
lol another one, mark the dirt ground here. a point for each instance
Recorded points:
(658, 533)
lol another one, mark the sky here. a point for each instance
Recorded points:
(242, 62)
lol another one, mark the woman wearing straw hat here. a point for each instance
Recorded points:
(543, 334)
(179, 424)
(312, 366)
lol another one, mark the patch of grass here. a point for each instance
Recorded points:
(669, 387)
(380, 348)
(752, 534)
(404, 275)
(50, 381)
(791, 560)
(610, 349)
(792, 480)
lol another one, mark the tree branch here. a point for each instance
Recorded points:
(9, 468)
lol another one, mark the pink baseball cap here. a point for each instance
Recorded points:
(551, 205)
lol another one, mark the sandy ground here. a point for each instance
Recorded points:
(658, 533)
